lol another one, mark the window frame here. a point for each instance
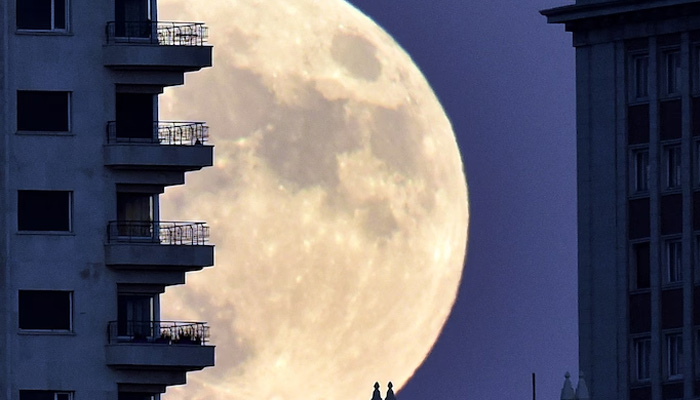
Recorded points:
(672, 72)
(53, 29)
(69, 112)
(639, 67)
(71, 304)
(674, 355)
(673, 260)
(638, 369)
(639, 177)
(673, 166)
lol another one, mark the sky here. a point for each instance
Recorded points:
(506, 80)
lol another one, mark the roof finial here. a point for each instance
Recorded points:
(390, 392)
(581, 388)
(376, 395)
(567, 392)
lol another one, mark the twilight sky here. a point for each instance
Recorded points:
(506, 80)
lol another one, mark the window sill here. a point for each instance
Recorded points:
(45, 332)
(43, 233)
(640, 290)
(45, 133)
(43, 32)
(672, 285)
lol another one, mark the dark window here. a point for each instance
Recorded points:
(640, 313)
(638, 124)
(642, 393)
(639, 218)
(135, 116)
(672, 308)
(696, 116)
(43, 210)
(44, 15)
(45, 310)
(671, 214)
(135, 315)
(672, 66)
(640, 173)
(39, 110)
(640, 72)
(696, 305)
(673, 391)
(670, 119)
(696, 211)
(641, 265)
(134, 214)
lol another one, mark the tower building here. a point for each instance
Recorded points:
(638, 166)
(84, 158)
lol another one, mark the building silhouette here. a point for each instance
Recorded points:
(84, 256)
(638, 165)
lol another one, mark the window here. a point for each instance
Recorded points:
(640, 72)
(44, 395)
(674, 355)
(673, 261)
(45, 310)
(641, 266)
(133, 18)
(42, 15)
(44, 210)
(672, 65)
(43, 111)
(640, 160)
(642, 350)
(135, 214)
(135, 315)
(135, 116)
(672, 162)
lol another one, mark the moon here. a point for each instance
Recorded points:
(337, 203)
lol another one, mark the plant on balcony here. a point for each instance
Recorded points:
(165, 336)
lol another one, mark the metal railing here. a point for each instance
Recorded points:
(160, 332)
(162, 33)
(158, 232)
(170, 133)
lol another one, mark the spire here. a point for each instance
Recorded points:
(390, 392)
(567, 392)
(581, 388)
(376, 395)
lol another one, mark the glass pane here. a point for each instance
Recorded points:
(34, 14)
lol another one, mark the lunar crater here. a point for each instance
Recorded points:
(357, 55)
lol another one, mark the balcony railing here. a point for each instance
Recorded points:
(161, 33)
(172, 133)
(158, 232)
(159, 332)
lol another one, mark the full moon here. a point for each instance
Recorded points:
(337, 203)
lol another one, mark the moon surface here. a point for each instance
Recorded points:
(337, 203)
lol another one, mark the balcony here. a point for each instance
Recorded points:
(165, 346)
(162, 246)
(159, 46)
(165, 145)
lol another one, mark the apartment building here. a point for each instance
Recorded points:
(638, 162)
(84, 159)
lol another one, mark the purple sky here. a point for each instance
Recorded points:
(506, 80)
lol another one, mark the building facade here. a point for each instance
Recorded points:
(638, 163)
(84, 158)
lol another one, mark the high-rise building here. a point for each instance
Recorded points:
(638, 163)
(84, 256)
